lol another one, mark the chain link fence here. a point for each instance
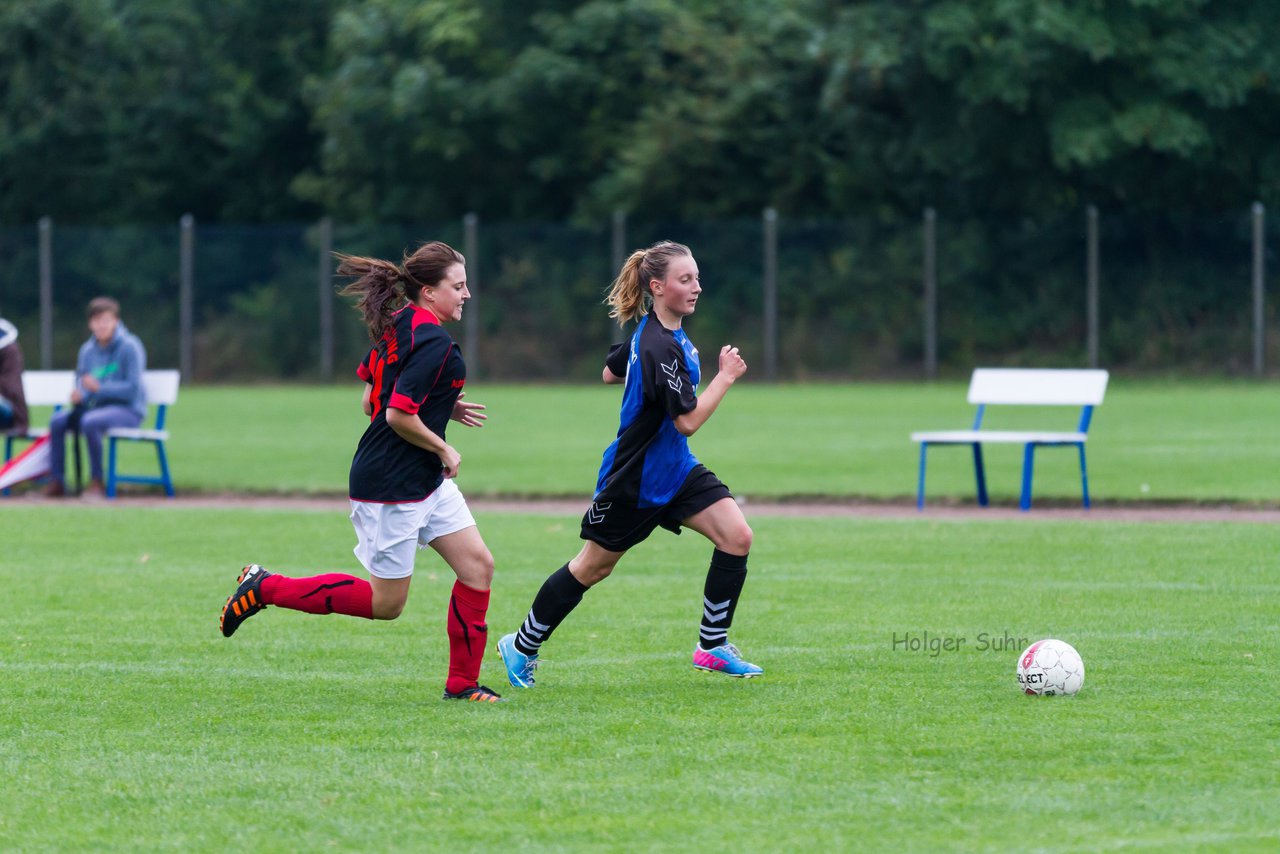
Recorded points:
(855, 299)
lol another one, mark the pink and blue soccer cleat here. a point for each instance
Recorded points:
(725, 659)
(519, 666)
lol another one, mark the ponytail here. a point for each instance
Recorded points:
(382, 287)
(629, 297)
(627, 300)
(378, 287)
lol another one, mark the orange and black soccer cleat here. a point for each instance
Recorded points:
(477, 694)
(246, 601)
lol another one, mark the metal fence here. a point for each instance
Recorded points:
(868, 298)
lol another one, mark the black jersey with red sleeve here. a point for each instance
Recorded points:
(415, 367)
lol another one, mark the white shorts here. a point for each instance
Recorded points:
(388, 535)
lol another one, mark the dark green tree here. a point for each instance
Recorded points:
(142, 110)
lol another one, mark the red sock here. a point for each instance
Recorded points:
(468, 635)
(333, 593)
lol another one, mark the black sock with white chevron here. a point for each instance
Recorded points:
(559, 595)
(720, 597)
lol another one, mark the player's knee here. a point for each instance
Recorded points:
(387, 609)
(737, 540)
(592, 574)
(483, 570)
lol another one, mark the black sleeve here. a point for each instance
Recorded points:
(668, 380)
(419, 372)
(619, 356)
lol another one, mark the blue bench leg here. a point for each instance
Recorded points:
(1028, 464)
(980, 472)
(164, 469)
(111, 467)
(1084, 478)
(924, 447)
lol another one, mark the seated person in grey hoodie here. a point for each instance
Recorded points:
(108, 392)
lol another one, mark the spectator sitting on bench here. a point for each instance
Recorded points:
(13, 405)
(108, 393)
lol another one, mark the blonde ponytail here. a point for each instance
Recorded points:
(627, 300)
(629, 297)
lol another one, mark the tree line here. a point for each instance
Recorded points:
(134, 111)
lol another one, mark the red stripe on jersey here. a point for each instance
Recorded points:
(404, 402)
(400, 401)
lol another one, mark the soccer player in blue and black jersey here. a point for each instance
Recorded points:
(648, 476)
(403, 497)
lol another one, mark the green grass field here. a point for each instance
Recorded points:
(1150, 441)
(128, 723)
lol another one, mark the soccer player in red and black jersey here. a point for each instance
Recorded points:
(649, 477)
(403, 496)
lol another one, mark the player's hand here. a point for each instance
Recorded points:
(468, 414)
(90, 383)
(732, 364)
(451, 460)
(76, 396)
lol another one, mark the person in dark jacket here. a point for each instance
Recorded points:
(13, 404)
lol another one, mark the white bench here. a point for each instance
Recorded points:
(40, 388)
(53, 388)
(1021, 387)
(162, 392)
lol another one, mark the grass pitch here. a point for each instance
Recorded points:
(127, 722)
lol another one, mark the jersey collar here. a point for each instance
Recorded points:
(423, 315)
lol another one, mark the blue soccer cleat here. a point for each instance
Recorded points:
(725, 659)
(519, 666)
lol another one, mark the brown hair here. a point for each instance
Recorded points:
(629, 297)
(382, 287)
(101, 305)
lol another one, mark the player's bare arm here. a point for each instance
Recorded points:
(610, 378)
(366, 402)
(410, 428)
(732, 366)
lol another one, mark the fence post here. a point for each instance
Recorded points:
(1091, 283)
(1259, 279)
(470, 318)
(324, 293)
(930, 293)
(770, 294)
(619, 256)
(46, 292)
(186, 294)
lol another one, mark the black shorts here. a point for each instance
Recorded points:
(617, 525)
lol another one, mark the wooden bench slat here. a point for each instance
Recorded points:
(139, 433)
(968, 437)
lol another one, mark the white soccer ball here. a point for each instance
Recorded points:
(1050, 667)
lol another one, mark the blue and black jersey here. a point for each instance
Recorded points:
(415, 367)
(648, 462)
